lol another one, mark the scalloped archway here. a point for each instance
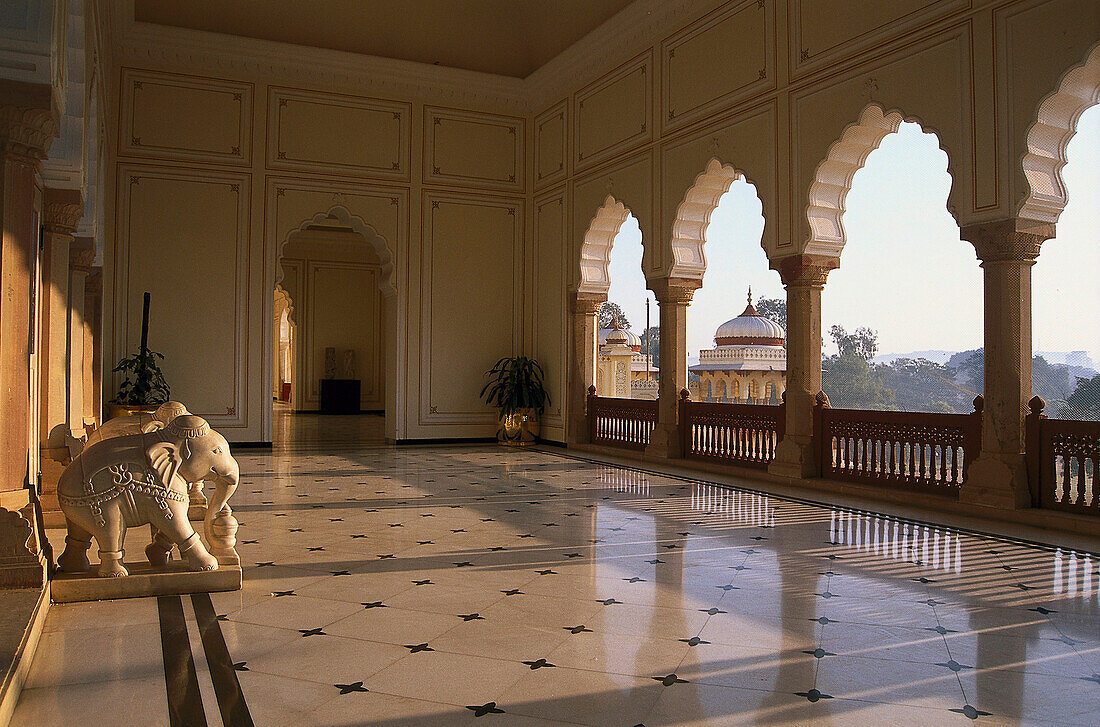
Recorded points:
(341, 216)
(833, 177)
(595, 253)
(689, 229)
(1055, 124)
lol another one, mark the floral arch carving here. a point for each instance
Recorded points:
(833, 178)
(689, 229)
(344, 218)
(596, 247)
(1055, 124)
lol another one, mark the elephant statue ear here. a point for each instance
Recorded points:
(151, 426)
(165, 459)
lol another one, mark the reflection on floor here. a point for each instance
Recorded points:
(480, 585)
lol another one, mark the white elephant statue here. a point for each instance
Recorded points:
(119, 426)
(134, 479)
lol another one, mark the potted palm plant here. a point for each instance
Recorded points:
(143, 387)
(515, 386)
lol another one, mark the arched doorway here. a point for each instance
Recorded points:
(337, 319)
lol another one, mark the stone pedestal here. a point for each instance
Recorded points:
(804, 277)
(582, 366)
(673, 298)
(998, 477)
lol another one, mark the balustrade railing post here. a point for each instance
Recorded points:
(590, 413)
(825, 453)
(685, 423)
(1033, 448)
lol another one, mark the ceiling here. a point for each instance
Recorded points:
(505, 37)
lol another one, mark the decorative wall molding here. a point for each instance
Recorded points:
(551, 344)
(458, 149)
(603, 126)
(746, 31)
(890, 21)
(178, 104)
(501, 296)
(176, 286)
(382, 131)
(551, 153)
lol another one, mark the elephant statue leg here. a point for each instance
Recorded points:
(77, 542)
(110, 537)
(159, 552)
(178, 530)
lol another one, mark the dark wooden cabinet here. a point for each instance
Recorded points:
(339, 396)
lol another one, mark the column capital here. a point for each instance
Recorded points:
(1001, 241)
(805, 271)
(82, 255)
(94, 284)
(587, 303)
(28, 120)
(674, 290)
(62, 210)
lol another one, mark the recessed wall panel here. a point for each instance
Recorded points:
(473, 150)
(612, 114)
(334, 133)
(186, 117)
(551, 129)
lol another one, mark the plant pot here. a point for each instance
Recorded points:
(520, 429)
(128, 410)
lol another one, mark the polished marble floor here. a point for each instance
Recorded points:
(459, 585)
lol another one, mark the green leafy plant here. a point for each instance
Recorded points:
(143, 382)
(515, 383)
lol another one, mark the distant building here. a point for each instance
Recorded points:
(748, 363)
(613, 343)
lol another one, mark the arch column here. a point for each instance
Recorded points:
(673, 298)
(93, 345)
(582, 371)
(28, 124)
(81, 257)
(804, 278)
(998, 477)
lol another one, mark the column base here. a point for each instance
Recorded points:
(794, 458)
(22, 564)
(997, 480)
(664, 443)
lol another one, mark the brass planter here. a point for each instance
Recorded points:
(520, 429)
(129, 410)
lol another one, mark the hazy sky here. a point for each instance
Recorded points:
(904, 271)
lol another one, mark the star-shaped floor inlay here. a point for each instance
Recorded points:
(669, 679)
(713, 611)
(1094, 678)
(728, 587)
(387, 555)
(424, 582)
(496, 548)
(373, 604)
(416, 648)
(547, 572)
(1043, 610)
(316, 549)
(240, 666)
(635, 579)
(827, 595)
(475, 616)
(463, 564)
(574, 555)
(608, 601)
(655, 561)
(513, 592)
(954, 665)
(970, 712)
(280, 594)
(941, 630)
(823, 620)
(248, 542)
(813, 695)
(819, 653)
(425, 542)
(312, 632)
(577, 629)
(265, 564)
(694, 641)
(340, 572)
(539, 664)
(349, 688)
(480, 710)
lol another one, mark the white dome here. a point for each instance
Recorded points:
(750, 328)
(631, 340)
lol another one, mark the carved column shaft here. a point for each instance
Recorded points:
(582, 372)
(81, 258)
(804, 278)
(93, 345)
(998, 478)
(673, 298)
(28, 123)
